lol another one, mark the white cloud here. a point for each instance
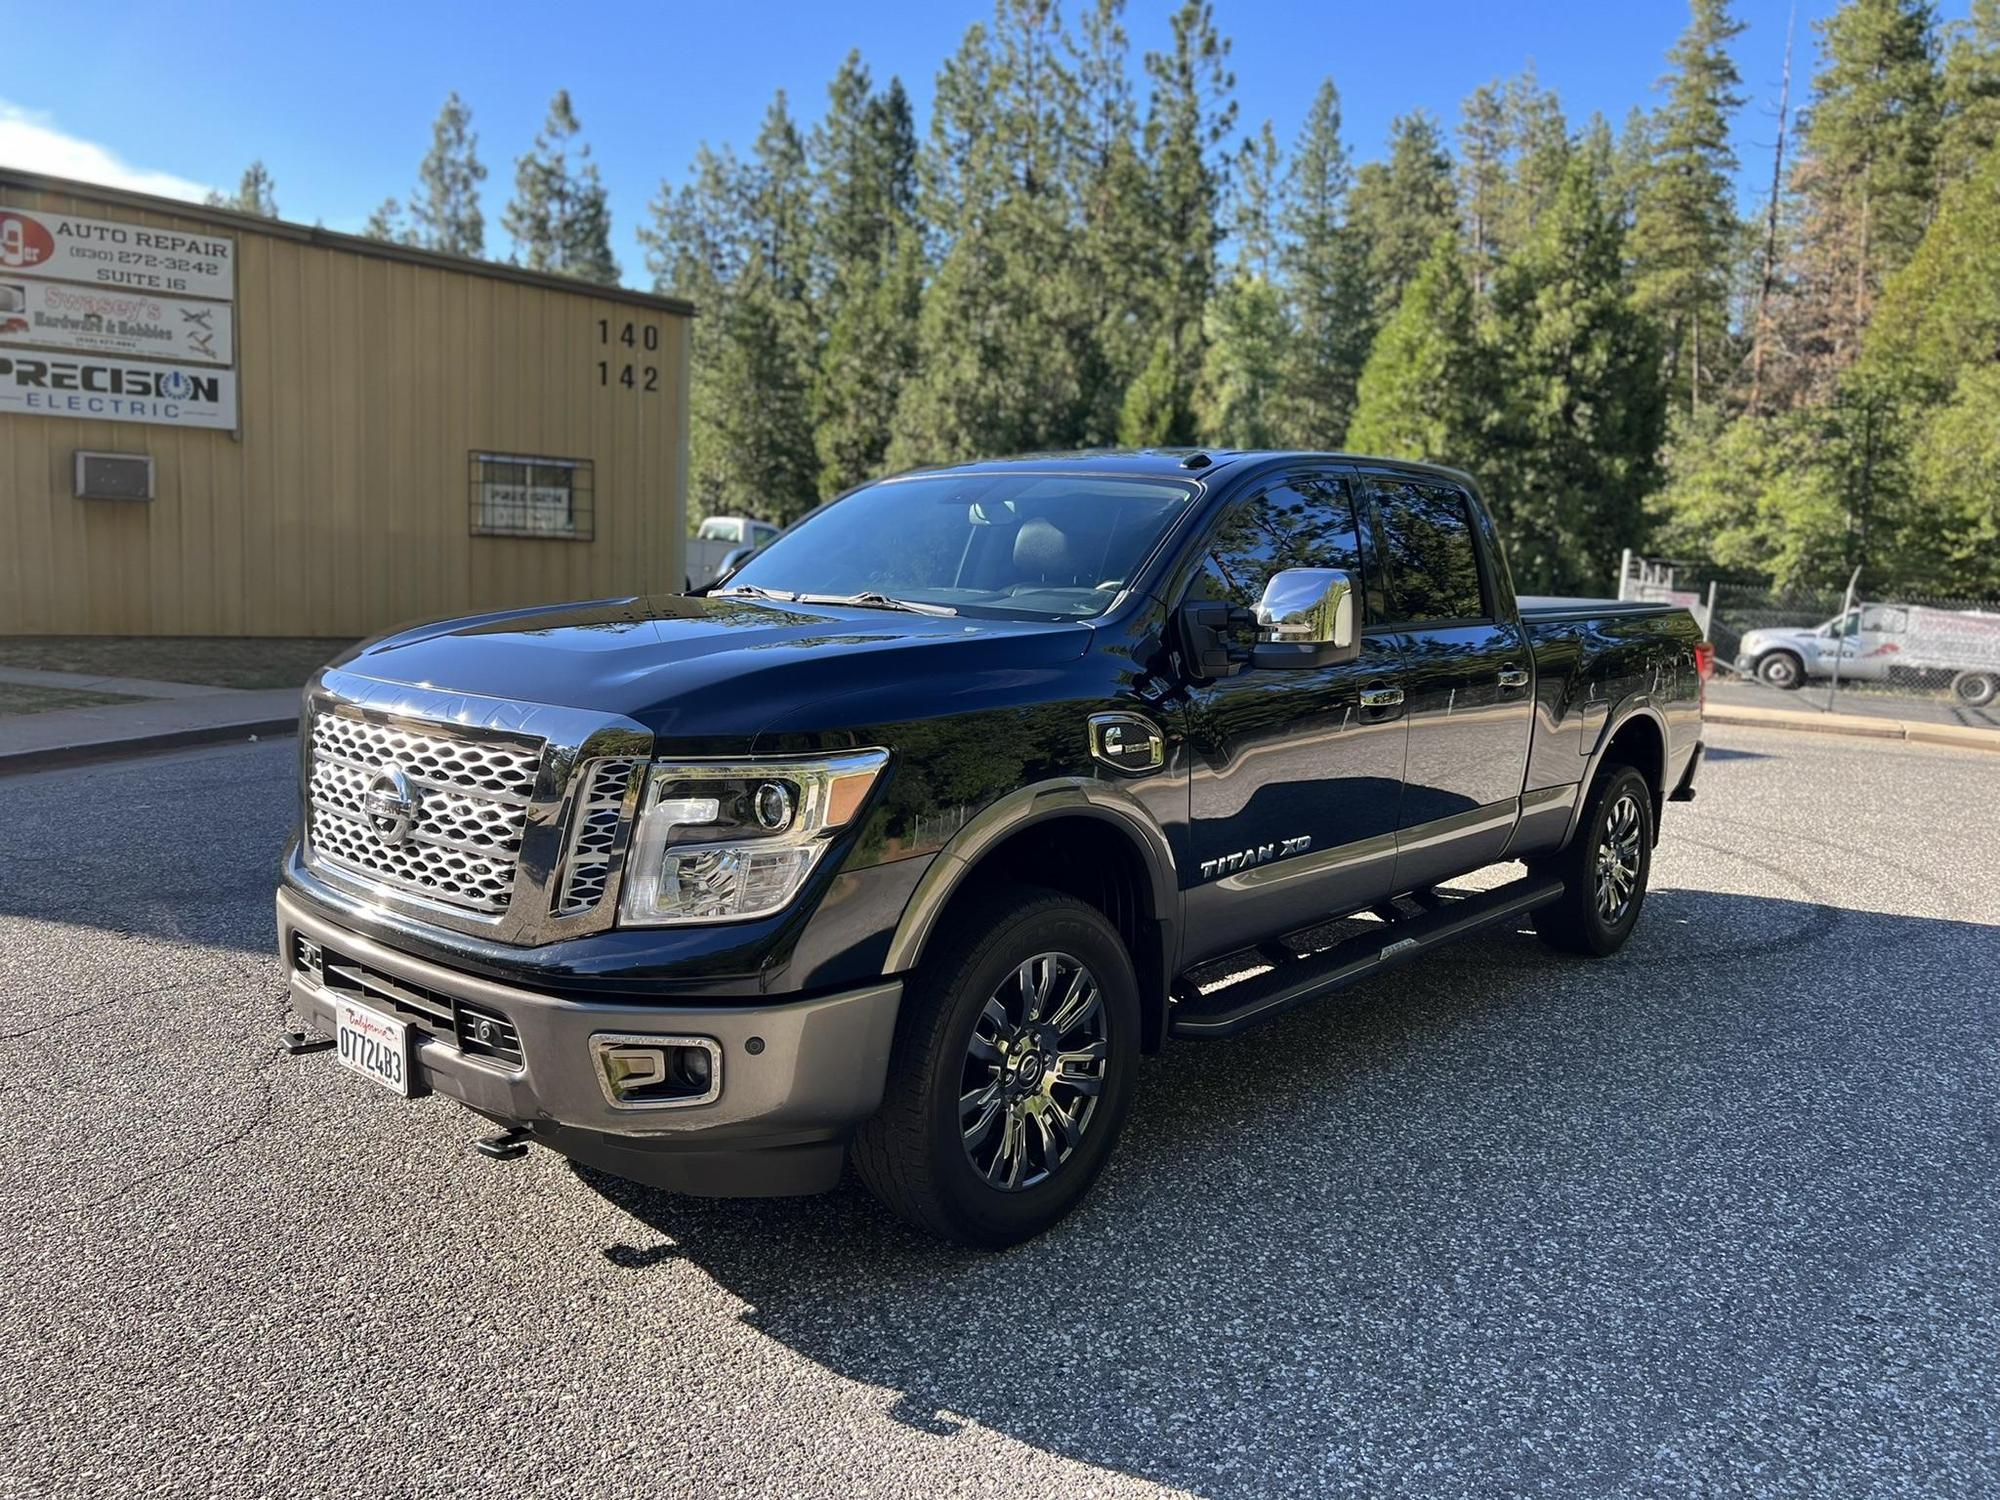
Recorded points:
(32, 142)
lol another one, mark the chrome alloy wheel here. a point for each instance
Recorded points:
(1618, 859)
(1034, 1068)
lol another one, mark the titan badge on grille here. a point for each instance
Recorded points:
(430, 812)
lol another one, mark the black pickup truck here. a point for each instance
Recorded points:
(903, 842)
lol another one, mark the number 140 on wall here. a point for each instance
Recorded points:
(634, 336)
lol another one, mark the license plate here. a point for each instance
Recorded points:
(374, 1045)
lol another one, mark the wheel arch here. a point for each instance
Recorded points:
(1082, 837)
(1637, 738)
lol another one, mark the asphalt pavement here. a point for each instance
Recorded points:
(1720, 1215)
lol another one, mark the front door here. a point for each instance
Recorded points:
(1295, 773)
(1469, 680)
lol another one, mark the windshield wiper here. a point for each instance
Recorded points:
(751, 591)
(868, 599)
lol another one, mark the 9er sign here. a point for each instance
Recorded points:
(137, 257)
(25, 243)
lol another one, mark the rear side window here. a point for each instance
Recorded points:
(1304, 522)
(1427, 543)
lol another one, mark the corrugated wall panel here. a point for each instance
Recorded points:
(365, 384)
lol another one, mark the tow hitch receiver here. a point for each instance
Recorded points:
(508, 1145)
(298, 1043)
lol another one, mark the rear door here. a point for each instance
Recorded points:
(1295, 773)
(1468, 678)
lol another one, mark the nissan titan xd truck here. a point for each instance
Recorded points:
(904, 842)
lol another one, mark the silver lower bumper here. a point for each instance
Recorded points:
(792, 1074)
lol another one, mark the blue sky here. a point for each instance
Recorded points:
(338, 100)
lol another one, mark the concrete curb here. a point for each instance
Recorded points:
(24, 762)
(1958, 736)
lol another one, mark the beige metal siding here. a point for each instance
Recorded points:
(366, 382)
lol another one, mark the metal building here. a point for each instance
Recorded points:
(217, 424)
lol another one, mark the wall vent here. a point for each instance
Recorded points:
(114, 476)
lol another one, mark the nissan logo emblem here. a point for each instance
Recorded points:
(390, 805)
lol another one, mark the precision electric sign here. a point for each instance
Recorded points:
(117, 390)
(85, 293)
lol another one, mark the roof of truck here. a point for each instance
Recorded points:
(1182, 463)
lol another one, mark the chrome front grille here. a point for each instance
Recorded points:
(464, 833)
(594, 836)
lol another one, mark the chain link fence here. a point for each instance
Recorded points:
(1893, 654)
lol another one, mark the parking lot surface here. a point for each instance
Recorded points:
(1719, 1215)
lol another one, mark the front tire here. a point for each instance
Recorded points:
(1782, 670)
(1604, 869)
(1011, 1074)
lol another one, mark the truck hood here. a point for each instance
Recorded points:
(1774, 635)
(699, 667)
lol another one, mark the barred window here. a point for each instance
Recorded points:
(516, 494)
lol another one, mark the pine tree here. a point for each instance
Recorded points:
(1685, 222)
(386, 223)
(1324, 282)
(870, 271)
(696, 247)
(768, 353)
(1190, 113)
(1580, 436)
(1400, 206)
(1926, 510)
(1239, 403)
(1482, 180)
(255, 194)
(560, 218)
(1117, 244)
(444, 209)
(1006, 333)
(1428, 390)
(1538, 146)
(1866, 179)
(1257, 183)
(1970, 92)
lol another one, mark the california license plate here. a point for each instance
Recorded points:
(374, 1045)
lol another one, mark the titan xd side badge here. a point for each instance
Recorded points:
(1127, 743)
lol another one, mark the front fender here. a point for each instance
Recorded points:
(1068, 796)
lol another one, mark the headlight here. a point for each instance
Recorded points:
(721, 841)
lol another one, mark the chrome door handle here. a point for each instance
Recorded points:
(1513, 677)
(1381, 697)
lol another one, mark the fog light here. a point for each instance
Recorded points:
(657, 1072)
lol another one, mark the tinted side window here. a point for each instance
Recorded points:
(1301, 523)
(1427, 540)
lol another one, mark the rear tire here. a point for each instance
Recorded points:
(1011, 1074)
(1782, 670)
(1604, 868)
(1975, 689)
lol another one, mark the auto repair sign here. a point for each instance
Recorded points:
(108, 320)
(136, 257)
(116, 390)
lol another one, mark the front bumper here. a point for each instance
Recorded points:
(795, 1077)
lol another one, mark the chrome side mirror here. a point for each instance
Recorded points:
(1306, 618)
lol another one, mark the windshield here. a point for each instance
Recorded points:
(1048, 545)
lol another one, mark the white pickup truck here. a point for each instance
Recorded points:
(719, 536)
(1881, 642)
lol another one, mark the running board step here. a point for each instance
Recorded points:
(1226, 1011)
